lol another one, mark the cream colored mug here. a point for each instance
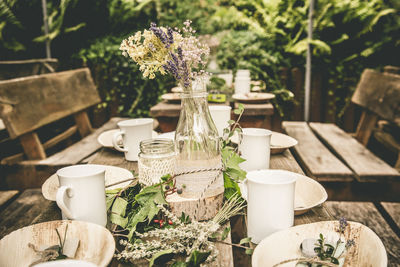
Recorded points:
(133, 131)
(270, 198)
(81, 195)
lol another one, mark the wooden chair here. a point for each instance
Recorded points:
(330, 154)
(27, 104)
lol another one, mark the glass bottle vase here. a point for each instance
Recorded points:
(198, 148)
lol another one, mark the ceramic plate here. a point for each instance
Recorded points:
(168, 135)
(96, 244)
(253, 98)
(113, 175)
(308, 194)
(171, 97)
(279, 142)
(176, 90)
(284, 245)
(105, 138)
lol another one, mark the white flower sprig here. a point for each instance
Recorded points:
(164, 50)
(183, 238)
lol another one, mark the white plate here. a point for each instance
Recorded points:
(308, 194)
(177, 90)
(284, 245)
(113, 175)
(253, 98)
(105, 138)
(172, 97)
(168, 135)
(96, 243)
(279, 142)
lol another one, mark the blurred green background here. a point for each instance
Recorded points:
(268, 37)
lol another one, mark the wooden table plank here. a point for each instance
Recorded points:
(364, 163)
(367, 214)
(316, 159)
(393, 209)
(5, 196)
(285, 161)
(23, 211)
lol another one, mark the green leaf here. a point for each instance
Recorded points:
(119, 206)
(225, 233)
(75, 28)
(159, 254)
(231, 187)
(249, 251)
(119, 220)
(197, 258)
(245, 240)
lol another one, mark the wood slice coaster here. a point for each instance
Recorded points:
(208, 206)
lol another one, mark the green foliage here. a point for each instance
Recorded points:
(55, 20)
(130, 214)
(348, 36)
(119, 79)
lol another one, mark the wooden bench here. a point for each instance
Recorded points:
(31, 103)
(329, 154)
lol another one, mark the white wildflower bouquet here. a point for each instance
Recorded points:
(166, 50)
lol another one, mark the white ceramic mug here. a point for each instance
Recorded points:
(220, 115)
(81, 195)
(270, 202)
(255, 148)
(133, 131)
(242, 85)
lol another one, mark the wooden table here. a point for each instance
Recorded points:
(346, 168)
(255, 115)
(30, 207)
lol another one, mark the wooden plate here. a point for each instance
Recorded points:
(285, 244)
(308, 194)
(113, 175)
(280, 142)
(171, 97)
(253, 98)
(105, 138)
(96, 244)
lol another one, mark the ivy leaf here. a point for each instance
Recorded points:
(148, 199)
(231, 187)
(225, 233)
(119, 206)
(245, 240)
(249, 251)
(159, 254)
(197, 258)
(118, 212)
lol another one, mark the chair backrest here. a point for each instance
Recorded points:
(29, 103)
(379, 94)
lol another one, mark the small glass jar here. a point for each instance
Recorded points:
(157, 158)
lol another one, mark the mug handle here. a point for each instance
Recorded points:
(61, 192)
(243, 189)
(115, 141)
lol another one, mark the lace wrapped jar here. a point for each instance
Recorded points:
(157, 158)
(198, 148)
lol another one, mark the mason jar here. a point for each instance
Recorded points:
(157, 158)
